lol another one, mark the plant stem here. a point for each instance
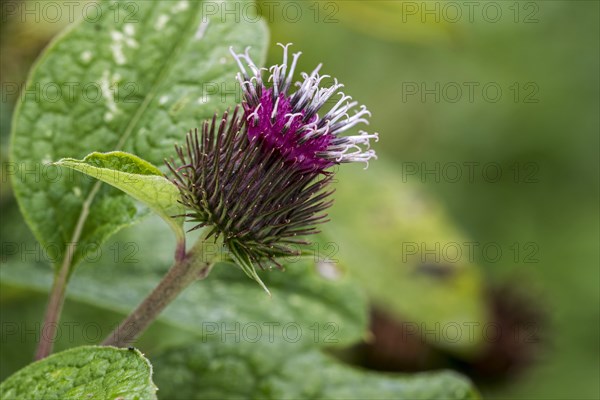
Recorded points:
(59, 286)
(53, 310)
(184, 271)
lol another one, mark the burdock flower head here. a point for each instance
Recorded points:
(290, 123)
(258, 178)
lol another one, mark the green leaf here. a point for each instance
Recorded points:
(328, 311)
(135, 77)
(88, 372)
(249, 371)
(383, 228)
(136, 177)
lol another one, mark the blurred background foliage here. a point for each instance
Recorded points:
(544, 56)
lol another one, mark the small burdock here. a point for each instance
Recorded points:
(257, 178)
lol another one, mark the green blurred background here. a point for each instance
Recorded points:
(377, 55)
(405, 60)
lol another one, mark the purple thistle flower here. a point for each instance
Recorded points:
(255, 201)
(259, 180)
(290, 123)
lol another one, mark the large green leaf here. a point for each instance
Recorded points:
(136, 177)
(89, 372)
(389, 235)
(135, 77)
(218, 370)
(307, 307)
